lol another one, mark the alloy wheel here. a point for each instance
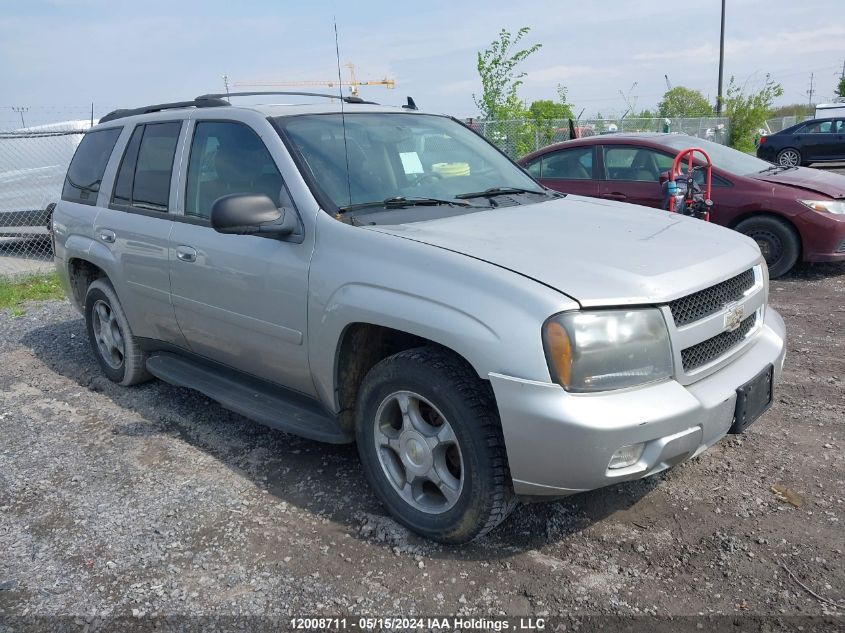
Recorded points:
(418, 452)
(107, 333)
(789, 158)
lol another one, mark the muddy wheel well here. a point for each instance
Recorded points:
(362, 346)
(82, 274)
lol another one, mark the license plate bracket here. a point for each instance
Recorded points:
(753, 399)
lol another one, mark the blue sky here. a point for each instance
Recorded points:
(57, 56)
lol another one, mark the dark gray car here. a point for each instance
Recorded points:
(816, 141)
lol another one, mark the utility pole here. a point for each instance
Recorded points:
(721, 61)
(226, 85)
(20, 110)
(841, 78)
(810, 91)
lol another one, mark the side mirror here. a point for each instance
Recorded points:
(251, 214)
(664, 177)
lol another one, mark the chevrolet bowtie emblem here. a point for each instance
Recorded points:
(733, 316)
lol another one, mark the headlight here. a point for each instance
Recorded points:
(826, 206)
(607, 349)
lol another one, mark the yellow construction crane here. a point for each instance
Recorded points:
(353, 83)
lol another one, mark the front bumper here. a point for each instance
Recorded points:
(822, 236)
(560, 443)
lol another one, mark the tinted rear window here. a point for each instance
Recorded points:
(88, 165)
(143, 180)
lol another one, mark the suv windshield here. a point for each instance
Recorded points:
(397, 159)
(723, 157)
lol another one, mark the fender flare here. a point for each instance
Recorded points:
(388, 307)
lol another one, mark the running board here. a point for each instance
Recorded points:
(255, 399)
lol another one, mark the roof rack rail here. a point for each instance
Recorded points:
(323, 95)
(199, 102)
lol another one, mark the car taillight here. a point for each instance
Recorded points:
(762, 140)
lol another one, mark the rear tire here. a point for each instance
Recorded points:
(431, 445)
(115, 347)
(777, 240)
(789, 157)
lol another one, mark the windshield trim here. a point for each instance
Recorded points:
(323, 199)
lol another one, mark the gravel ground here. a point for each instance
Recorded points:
(154, 500)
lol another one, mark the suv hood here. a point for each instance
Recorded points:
(815, 180)
(598, 252)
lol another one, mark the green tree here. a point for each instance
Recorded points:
(840, 88)
(499, 103)
(680, 102)
(748, 110)
(548, 116)
(546, 109)
(500, 77)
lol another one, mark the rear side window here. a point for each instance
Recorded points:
(229, 157)
(817, 127)
(533, 167)
(143, 180)
(638, 164)
(89, 162)
(568, 164)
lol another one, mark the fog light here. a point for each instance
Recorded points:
(626, 456)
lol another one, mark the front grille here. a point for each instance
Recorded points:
(710, 300)
(841, 247)
(711, 349)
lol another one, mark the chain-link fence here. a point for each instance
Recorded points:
(521, 136)
(33, 162)
(783, 122)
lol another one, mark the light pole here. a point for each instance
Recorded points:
(721, 61)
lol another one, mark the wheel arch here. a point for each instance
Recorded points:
(360, 347)
(81, 274)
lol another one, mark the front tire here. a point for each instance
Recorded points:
(777, 241)
(431, 445)
(115, 347)
(789, 157)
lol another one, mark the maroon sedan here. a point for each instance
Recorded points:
(792, 212)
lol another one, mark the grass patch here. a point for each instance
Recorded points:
(13, 292)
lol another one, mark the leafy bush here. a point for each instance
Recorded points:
(748, 110)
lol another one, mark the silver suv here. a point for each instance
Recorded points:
(356, 273)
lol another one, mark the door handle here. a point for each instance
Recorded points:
(186, 254)
(106, 235)
(614, 196)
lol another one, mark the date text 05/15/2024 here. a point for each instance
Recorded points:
(424, 623)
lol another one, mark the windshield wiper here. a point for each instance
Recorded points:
(498, 191)
(401, 202)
